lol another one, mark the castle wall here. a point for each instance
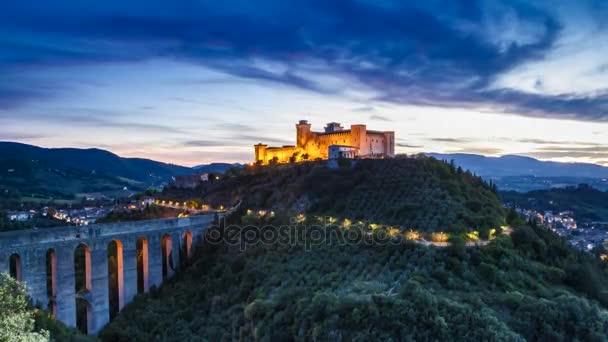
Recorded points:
(375, 143)
(281, 153)
(316, 144)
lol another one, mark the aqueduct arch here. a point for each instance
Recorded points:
(68, 269)
(14, 262)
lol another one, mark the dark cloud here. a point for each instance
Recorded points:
(254, 139)
(203, 143)
(377, 117)
(479, 150)
(408, 145)
(15, 136)
(439, 53)
(591, 151)
(363, 109)
(452, 140)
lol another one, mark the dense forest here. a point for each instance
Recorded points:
(587, 203)
(415, 192)
(526, 286)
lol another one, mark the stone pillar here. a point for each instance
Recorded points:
(155, 266)
(66, 287)
(4, 261)
(130, 269)
(100, 303)
(33, 268)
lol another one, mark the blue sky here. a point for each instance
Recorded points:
(197, 81)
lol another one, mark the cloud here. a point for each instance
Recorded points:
(203, 143)
(593, 152)
(408, 145)
(479, 150)
(551, 142)
(363, 109)
(452, 140)
(98, 118)
(318, 46)
(16, 136)
(377, 117)
(254, 139)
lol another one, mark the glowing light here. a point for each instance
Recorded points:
(249, 211)
(262, 212)
(473, 236)
(492, 234)
(373, 226)
(412, 235)
(394, 231)
(346, 223)
(440, 237)
(300, 218)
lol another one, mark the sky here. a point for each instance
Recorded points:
(197, 81)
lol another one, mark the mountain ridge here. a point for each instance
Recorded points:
(516, 165)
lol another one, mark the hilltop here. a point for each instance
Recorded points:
(417, 192)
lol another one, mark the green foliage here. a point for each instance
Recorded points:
(16, 318)
(512, 289)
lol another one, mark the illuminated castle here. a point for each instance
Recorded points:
(335, 142)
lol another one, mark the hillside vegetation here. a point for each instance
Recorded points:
(419, 192)
(527, 286)
(587, 203)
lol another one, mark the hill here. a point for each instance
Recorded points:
(527, 286)
(519, 173)
(587, 203)
(91, 160)
(33, 173)
(421, 193)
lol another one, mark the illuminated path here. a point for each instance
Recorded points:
(115, 263)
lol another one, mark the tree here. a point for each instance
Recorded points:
(16, 318)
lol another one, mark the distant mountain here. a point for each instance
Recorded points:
(513, 165)
(216, 167)
(89, 160)
(39, 175)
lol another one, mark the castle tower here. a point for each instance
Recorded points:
(260, 152)
(389, 144)
(358, 138)
(303, 133)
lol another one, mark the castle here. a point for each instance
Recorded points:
(334, 142)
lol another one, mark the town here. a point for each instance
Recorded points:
(585, 236)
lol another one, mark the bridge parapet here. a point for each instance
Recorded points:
(144, 253)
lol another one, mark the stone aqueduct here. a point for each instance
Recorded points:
(142, 254)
